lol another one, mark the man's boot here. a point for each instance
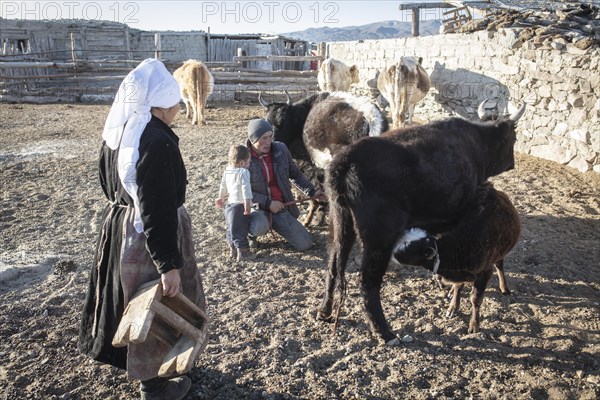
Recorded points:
(232, 251)
(253, 242)
(243, 254)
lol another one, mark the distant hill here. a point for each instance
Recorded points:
(376, 30)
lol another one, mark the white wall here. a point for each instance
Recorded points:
(560, 84)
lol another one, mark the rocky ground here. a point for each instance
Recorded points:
(541, 342)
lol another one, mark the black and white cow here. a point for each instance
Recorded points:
(288, 119)
(317, 127)
(423, 176)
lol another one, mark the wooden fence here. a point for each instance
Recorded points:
(91, 81)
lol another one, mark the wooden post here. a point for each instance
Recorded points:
(321, 51)
(242, 53)
(74, 55)
(157, 45)
(127, 44)
(73, 52)
(83, 43)
(415, 21)
(207, 39)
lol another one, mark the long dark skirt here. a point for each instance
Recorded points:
(122, 264)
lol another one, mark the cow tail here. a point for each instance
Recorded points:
(197, 78)
(340, 192)
(335, 182)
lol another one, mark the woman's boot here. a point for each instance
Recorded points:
(165, 389)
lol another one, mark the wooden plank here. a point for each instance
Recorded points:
(456, 11)
(445, 4)
(175, 320)
(82, 76)
(164, 332)
(217, 64)
(84, 44)
(38, 64)
(181, 357)
(258, 72)
(271, 58)
(71, 91)
(410, 6)
(186, 308)
(137, 318)
(264, 79)
(8, 98)
(127, 44)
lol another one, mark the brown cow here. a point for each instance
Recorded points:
(403, 85)
(470, 251)
(196, 84)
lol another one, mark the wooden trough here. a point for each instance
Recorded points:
(175, 321)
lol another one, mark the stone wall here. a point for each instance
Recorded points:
(560, 83)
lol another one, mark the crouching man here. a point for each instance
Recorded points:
(272, 170)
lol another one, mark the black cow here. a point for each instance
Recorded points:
(288, 121)
(422, 176)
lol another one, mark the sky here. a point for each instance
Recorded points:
(220, 17)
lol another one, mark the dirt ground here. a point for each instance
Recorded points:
(541, 342)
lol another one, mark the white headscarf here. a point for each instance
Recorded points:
(148, 85)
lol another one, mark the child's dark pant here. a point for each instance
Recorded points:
(237, 225)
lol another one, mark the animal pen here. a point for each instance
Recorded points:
(84, 61)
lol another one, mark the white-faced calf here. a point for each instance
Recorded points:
(469, 251)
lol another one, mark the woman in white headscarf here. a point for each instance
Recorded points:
(146, 231)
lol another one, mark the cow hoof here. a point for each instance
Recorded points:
(324, 316)
(395, 342)
(473, 329)
(438, 280)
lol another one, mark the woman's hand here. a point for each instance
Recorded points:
(171, 283)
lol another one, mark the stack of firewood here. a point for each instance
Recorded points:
(576, 24)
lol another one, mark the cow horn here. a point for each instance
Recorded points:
(262, 102)
(481, 109)
(518, 114)
(289, 99)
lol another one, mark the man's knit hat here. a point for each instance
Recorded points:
(257, 128)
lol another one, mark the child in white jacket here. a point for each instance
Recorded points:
(235, 187)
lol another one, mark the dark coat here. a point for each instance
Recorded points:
(285, 170)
